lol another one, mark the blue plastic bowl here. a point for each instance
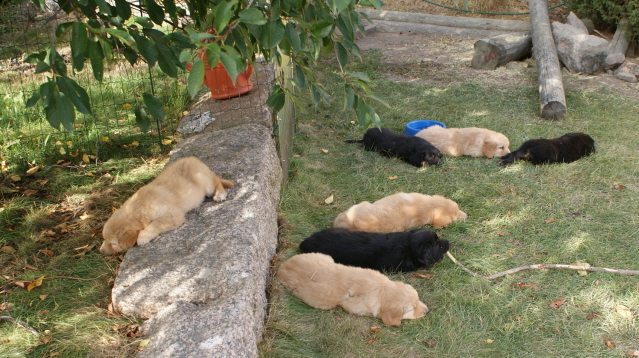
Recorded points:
(415, 126)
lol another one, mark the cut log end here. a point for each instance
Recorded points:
(553, 111)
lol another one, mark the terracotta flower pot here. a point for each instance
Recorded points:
(220, 84)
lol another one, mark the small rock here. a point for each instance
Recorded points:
(614, 60)
(625, 76)
(575, 22)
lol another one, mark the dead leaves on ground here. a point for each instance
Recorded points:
(556, 303)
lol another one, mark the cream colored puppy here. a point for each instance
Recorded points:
(162, 204)
(399, 212)
(321, 283)
(473, 141)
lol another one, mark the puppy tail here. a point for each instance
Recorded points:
(226, 183)
(354, 141)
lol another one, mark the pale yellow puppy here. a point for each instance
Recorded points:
(399, 212)
(473, 141)
(162, 204)
(321, 283)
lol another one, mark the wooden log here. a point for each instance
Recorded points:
(499, 50)
(620, 41)
(551, 87)
(450, 21)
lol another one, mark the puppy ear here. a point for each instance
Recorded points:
(128, 238)
(489, 149)
(392, 312)
(416, 242)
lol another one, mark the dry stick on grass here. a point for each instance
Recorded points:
(545, 266)
(20, 323)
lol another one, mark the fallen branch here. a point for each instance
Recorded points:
(545, 266)
(20, 323)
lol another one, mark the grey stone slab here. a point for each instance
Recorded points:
(203, 284)
(579, 52)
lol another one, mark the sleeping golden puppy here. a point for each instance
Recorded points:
(162, 204)
(473, 141)
(399, 212)
(321, 283)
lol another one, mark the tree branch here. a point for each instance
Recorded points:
(20, 323)
(545, 266)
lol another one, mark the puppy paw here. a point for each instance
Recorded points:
(219, 196)
(145, 238)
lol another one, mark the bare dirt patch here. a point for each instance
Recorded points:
(444, 60)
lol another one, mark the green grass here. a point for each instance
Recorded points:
(70, 307)
(593, 203)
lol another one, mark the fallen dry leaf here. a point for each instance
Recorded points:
(426, 276)
(126, 106)
(22, 284)
(329, 200)
(510, 254)
(15, 178)
(591, 316)
(618, 186)
(8, 250)
(430, 343)
(37, 282)
(30, 192)
(582, 264)
(495, 255)
(74, 154)
(623, 311)
(548, 221)
(144, 343)
(609, 344)
(376, 329)
(502, 233)
(323, 150)
(42, 312)
(84, 216)
(85, 158)
(42, 182)
(489, 341)
(632, 354)
(524, 285)
(47, 253)
(33, 170)
(393, 177)
(372, 340)
(46, 340)
(167, 141)
(30, 267)
(557, 303)
(43, 297)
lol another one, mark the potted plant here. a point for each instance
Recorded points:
(171, 33)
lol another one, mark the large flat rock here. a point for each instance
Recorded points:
(203, 285)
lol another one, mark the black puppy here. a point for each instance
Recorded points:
(565, 149)
(414, 150)
(396, 251)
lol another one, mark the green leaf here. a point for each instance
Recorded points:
(180, 40)
(300, 79)
(342, 54)
(79, 42)
(212, 54)
(45, 92)
(65, 110)
(350, 98)
(58, 64)
(63, 28)
(166, 59)
(230, 65)
(96, 57)
(374, 117)
(171, 9)
(223, 13)
(363, 114)
(272, 33)
(144, 21)
(380, 100)
(276, 101)
(252, 16)
(155, 11)
(142, 119)
(293, 38)
(195, 78)
(130, 55)
(197, 36)
(121, 35)
(104, 7)
(321, 29)
(76, 94)
(341, 5)
(35, 97)
(147, 49)
(39, 4)
(360, 76)
(154, 106)
(36, 57)
(123, 9)
(42, 67)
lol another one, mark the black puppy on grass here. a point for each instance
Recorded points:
(565, 149)
(396, 251)
(413, 150)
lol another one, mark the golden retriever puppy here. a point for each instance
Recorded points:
(473, 141)
(321, 283)
(162, 204)
(399, 212)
